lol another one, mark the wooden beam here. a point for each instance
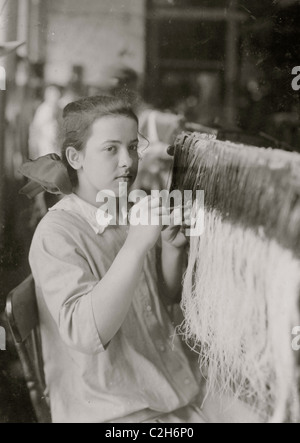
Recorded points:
(8, 32)
(37, 35)
(153, 61)
(2, 166)
(197, 14)
(23, 24)
(231, 71)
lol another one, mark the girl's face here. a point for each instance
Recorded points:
(109, 158)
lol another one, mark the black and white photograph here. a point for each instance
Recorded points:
(150, 214)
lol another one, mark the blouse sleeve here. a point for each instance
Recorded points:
(61, 271)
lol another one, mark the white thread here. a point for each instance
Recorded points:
(240, 303)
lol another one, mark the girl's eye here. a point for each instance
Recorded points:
(133, 147)
(110, 149)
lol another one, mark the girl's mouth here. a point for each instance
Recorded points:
(125, 178)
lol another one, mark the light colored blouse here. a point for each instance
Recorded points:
(144, 371)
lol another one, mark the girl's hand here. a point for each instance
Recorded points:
(144, 236)
(174, 234)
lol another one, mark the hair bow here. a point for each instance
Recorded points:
(47, 173)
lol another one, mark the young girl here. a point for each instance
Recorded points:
(109, 348)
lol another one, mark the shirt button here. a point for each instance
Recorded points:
(187, 381)
(149, 309)
(162, 348)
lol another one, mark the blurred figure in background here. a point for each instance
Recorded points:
(120, 80)
(43, 129)
(160, 129)
(43, 134)
(69, 95)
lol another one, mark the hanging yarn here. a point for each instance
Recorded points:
(241, 287)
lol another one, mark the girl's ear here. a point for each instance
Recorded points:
(74, 158)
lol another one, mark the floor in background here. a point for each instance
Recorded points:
(15, 405)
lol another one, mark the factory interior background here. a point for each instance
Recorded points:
(222, 66)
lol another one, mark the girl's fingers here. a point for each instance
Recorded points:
(187, 217)
(178, 215)
(179, 218)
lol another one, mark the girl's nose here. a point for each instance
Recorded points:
(125, 159)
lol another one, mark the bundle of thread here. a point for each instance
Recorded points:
(241, 288)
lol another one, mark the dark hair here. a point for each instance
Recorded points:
(78, 118)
